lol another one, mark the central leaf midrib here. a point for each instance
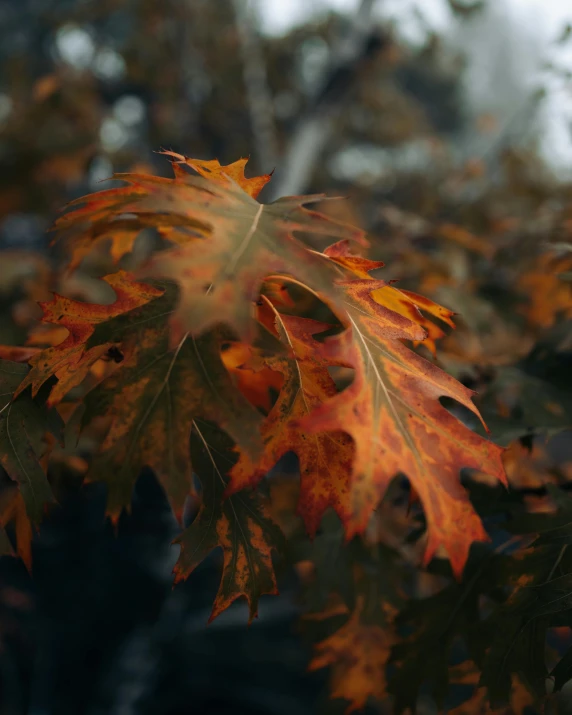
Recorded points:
(396, 416)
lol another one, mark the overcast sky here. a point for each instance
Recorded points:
(280, 15)
(541, 20)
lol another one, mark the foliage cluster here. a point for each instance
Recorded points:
(235, 339)
(403, 601)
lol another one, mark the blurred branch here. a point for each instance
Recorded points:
(467, 8)
(315, 128)
(258, 93)
(492, 156)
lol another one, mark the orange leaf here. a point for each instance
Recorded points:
(392, 412)
(548, 295)
(358, 654)
(467, 673)
(219, 174)
(13, 509)
(117, 217)
(228, 243)
(253, 378)
(17, 354)
(402, 302)
(71, 360)
(463, 237)
(325, 459)
(221, 276)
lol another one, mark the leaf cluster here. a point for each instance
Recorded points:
(241, 339)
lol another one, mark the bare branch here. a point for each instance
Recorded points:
(258, 93)
(315, 128)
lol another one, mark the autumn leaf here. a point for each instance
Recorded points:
(548, 296)
(463, 237)
(533, 468)
(407, 304)
(14, 353)
(24, 422)
(240, 525)
(253, 378)
(116, 217)
(152, 398)
(43, 335)
(423, 305)
(325, 459)
(120, 237)
(342, 254)
(392, 412)
(13, 510)
(399, 321)
(70, 361)
(100, 219)
(433, 625)
(222, 275)
(540, 597)
(228, 243)
(467, 673)
(212, 169)
(358, 654)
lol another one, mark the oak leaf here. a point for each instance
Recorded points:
(253, 378)
(13, 510)
(213, 170)
(392, 412)
(402, 302)
(240, 525)
(101, 217)
(116, 217)
(467, 673)
(69, 360)
(221, 276)
(325, 459)
(228, 243)
(358, 654)
(548, 296)
(24, 422)
(99, 228)
(152, 398)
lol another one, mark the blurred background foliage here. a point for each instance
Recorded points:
(437, 139)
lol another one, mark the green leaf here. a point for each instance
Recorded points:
(438, 622)
(541, 598)
(24, 423)
(152, 399)
(239, 525)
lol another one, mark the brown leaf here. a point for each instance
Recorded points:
(358, 654)
(325, 459)
(240, 525)
(152, 398)
(392, 412)
(13, 509)
(71, 360)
